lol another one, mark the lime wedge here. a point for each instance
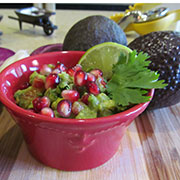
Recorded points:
(103, 56)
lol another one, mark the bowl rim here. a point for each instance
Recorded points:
(40, 118)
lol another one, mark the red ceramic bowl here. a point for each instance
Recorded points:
(66, 144)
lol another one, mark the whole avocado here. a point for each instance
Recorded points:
(163, 47)
(91, 31)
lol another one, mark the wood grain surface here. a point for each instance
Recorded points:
(150, 149)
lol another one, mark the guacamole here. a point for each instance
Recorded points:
(58, 91)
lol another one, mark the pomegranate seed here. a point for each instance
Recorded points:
(96, 72)
(24, 85)
(93, 88)
(64, 108)
(52, 81)
(71, 72)
(71, 95)
(46, 101)
(80, 78)
(47, 112)
(56, 71)
(91, 77)
(84, 98)
(77, 107)
(101, 81)
(38, 83)
(61, 67)
(40, 102)
(77, 67)
(45, 70)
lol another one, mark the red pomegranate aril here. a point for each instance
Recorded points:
(77, 107)
(96, 72)
(45, 70)
(47, 112)
(24, 85)
(56, 71)
(93, 88)
(80, 78)
(91, 77)
(61, 67)
(71, 95)
(70, 71)
(38, 83)
(37, 104)
(101, 81)
(45, 101)
(84, 98)
(52, 81)
(77, 67)
(73, 70)
(64, 108)
(40, 102)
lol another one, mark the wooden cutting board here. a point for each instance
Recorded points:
(149, 150)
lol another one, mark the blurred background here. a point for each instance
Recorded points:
(109, 7)
(80, 6)
(65, 16)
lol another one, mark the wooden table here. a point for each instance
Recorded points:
(150, 149)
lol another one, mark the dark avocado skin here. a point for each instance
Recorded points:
(163, 47)
(91, 31)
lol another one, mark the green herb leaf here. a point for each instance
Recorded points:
(130, 79)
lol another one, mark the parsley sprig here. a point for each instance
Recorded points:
(131, 79)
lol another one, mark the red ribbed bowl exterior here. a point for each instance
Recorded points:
(65, 144)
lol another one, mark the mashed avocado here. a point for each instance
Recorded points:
(25, 97)
(102, 104)
(34, 75)
(94, 105)
(55, 103)
(87, 113)
(66, 81)
(51, 94)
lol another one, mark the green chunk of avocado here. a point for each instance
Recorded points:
(51, 94)
(55, 103)
(66, 81)
(25, 97)
(86, 113)
(34, 75)
(102, 104)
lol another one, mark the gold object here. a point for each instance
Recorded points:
(148, 26)
(136, 7)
